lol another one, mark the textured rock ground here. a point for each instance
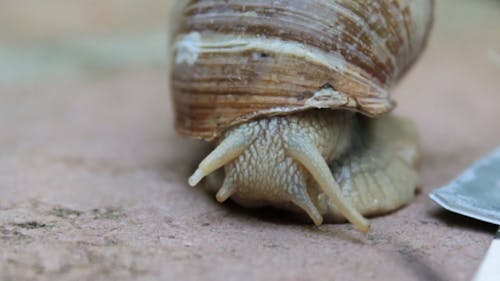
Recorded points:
(93, 180)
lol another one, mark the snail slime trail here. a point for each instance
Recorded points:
(296, 98)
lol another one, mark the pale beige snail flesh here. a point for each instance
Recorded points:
(295, 94)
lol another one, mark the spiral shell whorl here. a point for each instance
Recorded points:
(238, 60)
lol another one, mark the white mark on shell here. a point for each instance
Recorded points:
(188, 48)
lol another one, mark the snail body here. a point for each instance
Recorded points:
(294, 94)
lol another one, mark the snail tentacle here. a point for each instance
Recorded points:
(228, 188)
(308, 155)
(303, 201)
(230, 148)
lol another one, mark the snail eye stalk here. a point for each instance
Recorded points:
(230, 148)
(227, 189)
(308, 155)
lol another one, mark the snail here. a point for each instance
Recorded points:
(295, 96)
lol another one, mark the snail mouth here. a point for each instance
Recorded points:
(302, 151)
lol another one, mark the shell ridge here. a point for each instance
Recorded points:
(236, 60)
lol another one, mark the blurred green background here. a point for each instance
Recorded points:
(60, 38)
(43, 38)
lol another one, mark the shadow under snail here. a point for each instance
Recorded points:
(295, 96)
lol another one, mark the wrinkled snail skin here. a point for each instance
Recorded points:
(294, 94)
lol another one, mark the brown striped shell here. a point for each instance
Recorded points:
(236, 60)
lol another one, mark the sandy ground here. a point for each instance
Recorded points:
(93, 180)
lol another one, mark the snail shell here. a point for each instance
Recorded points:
(237, 62)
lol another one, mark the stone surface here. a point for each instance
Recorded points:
(93, 180)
